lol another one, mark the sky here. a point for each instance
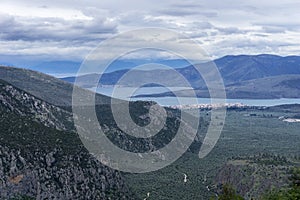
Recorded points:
(70, 29)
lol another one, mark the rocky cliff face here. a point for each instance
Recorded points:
(41, 156)
(253, 176)
(19, 102)
(42, 175)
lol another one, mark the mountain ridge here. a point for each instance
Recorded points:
(42, 156)
(236, 71)
(43, 86)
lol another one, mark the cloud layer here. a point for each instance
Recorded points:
(71, 29)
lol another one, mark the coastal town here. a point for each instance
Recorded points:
(209, 106)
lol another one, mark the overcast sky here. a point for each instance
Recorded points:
(70, 29)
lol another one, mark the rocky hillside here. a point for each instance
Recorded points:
(42, 86)
(41, 157)
(24, 104)
(254, 176)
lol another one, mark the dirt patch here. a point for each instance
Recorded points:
(16, 179)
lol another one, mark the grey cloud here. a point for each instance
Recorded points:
(6, 20)
(202, 25)
(248, 42)
(137, 18)
(215, 30)
(273, 29)
(178, 12)
(265, 26)
(278, 27)
(196, 35)
(181, 10)
(249, 46)
(230, 30)
(260, 35)
(56, 29)
(186, 4)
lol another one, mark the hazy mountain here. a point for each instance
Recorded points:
(235, 71)
(59, 68)
(247, 67)
(235, 68)
(65, 68)
(139, 76)
(285, 86)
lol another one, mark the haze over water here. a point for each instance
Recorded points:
(170, 101)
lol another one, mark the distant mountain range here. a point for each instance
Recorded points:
(245, 76)
(275, 87)
(63, 68)
(57, 68)
(243, 67)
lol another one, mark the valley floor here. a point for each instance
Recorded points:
(247, 133)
